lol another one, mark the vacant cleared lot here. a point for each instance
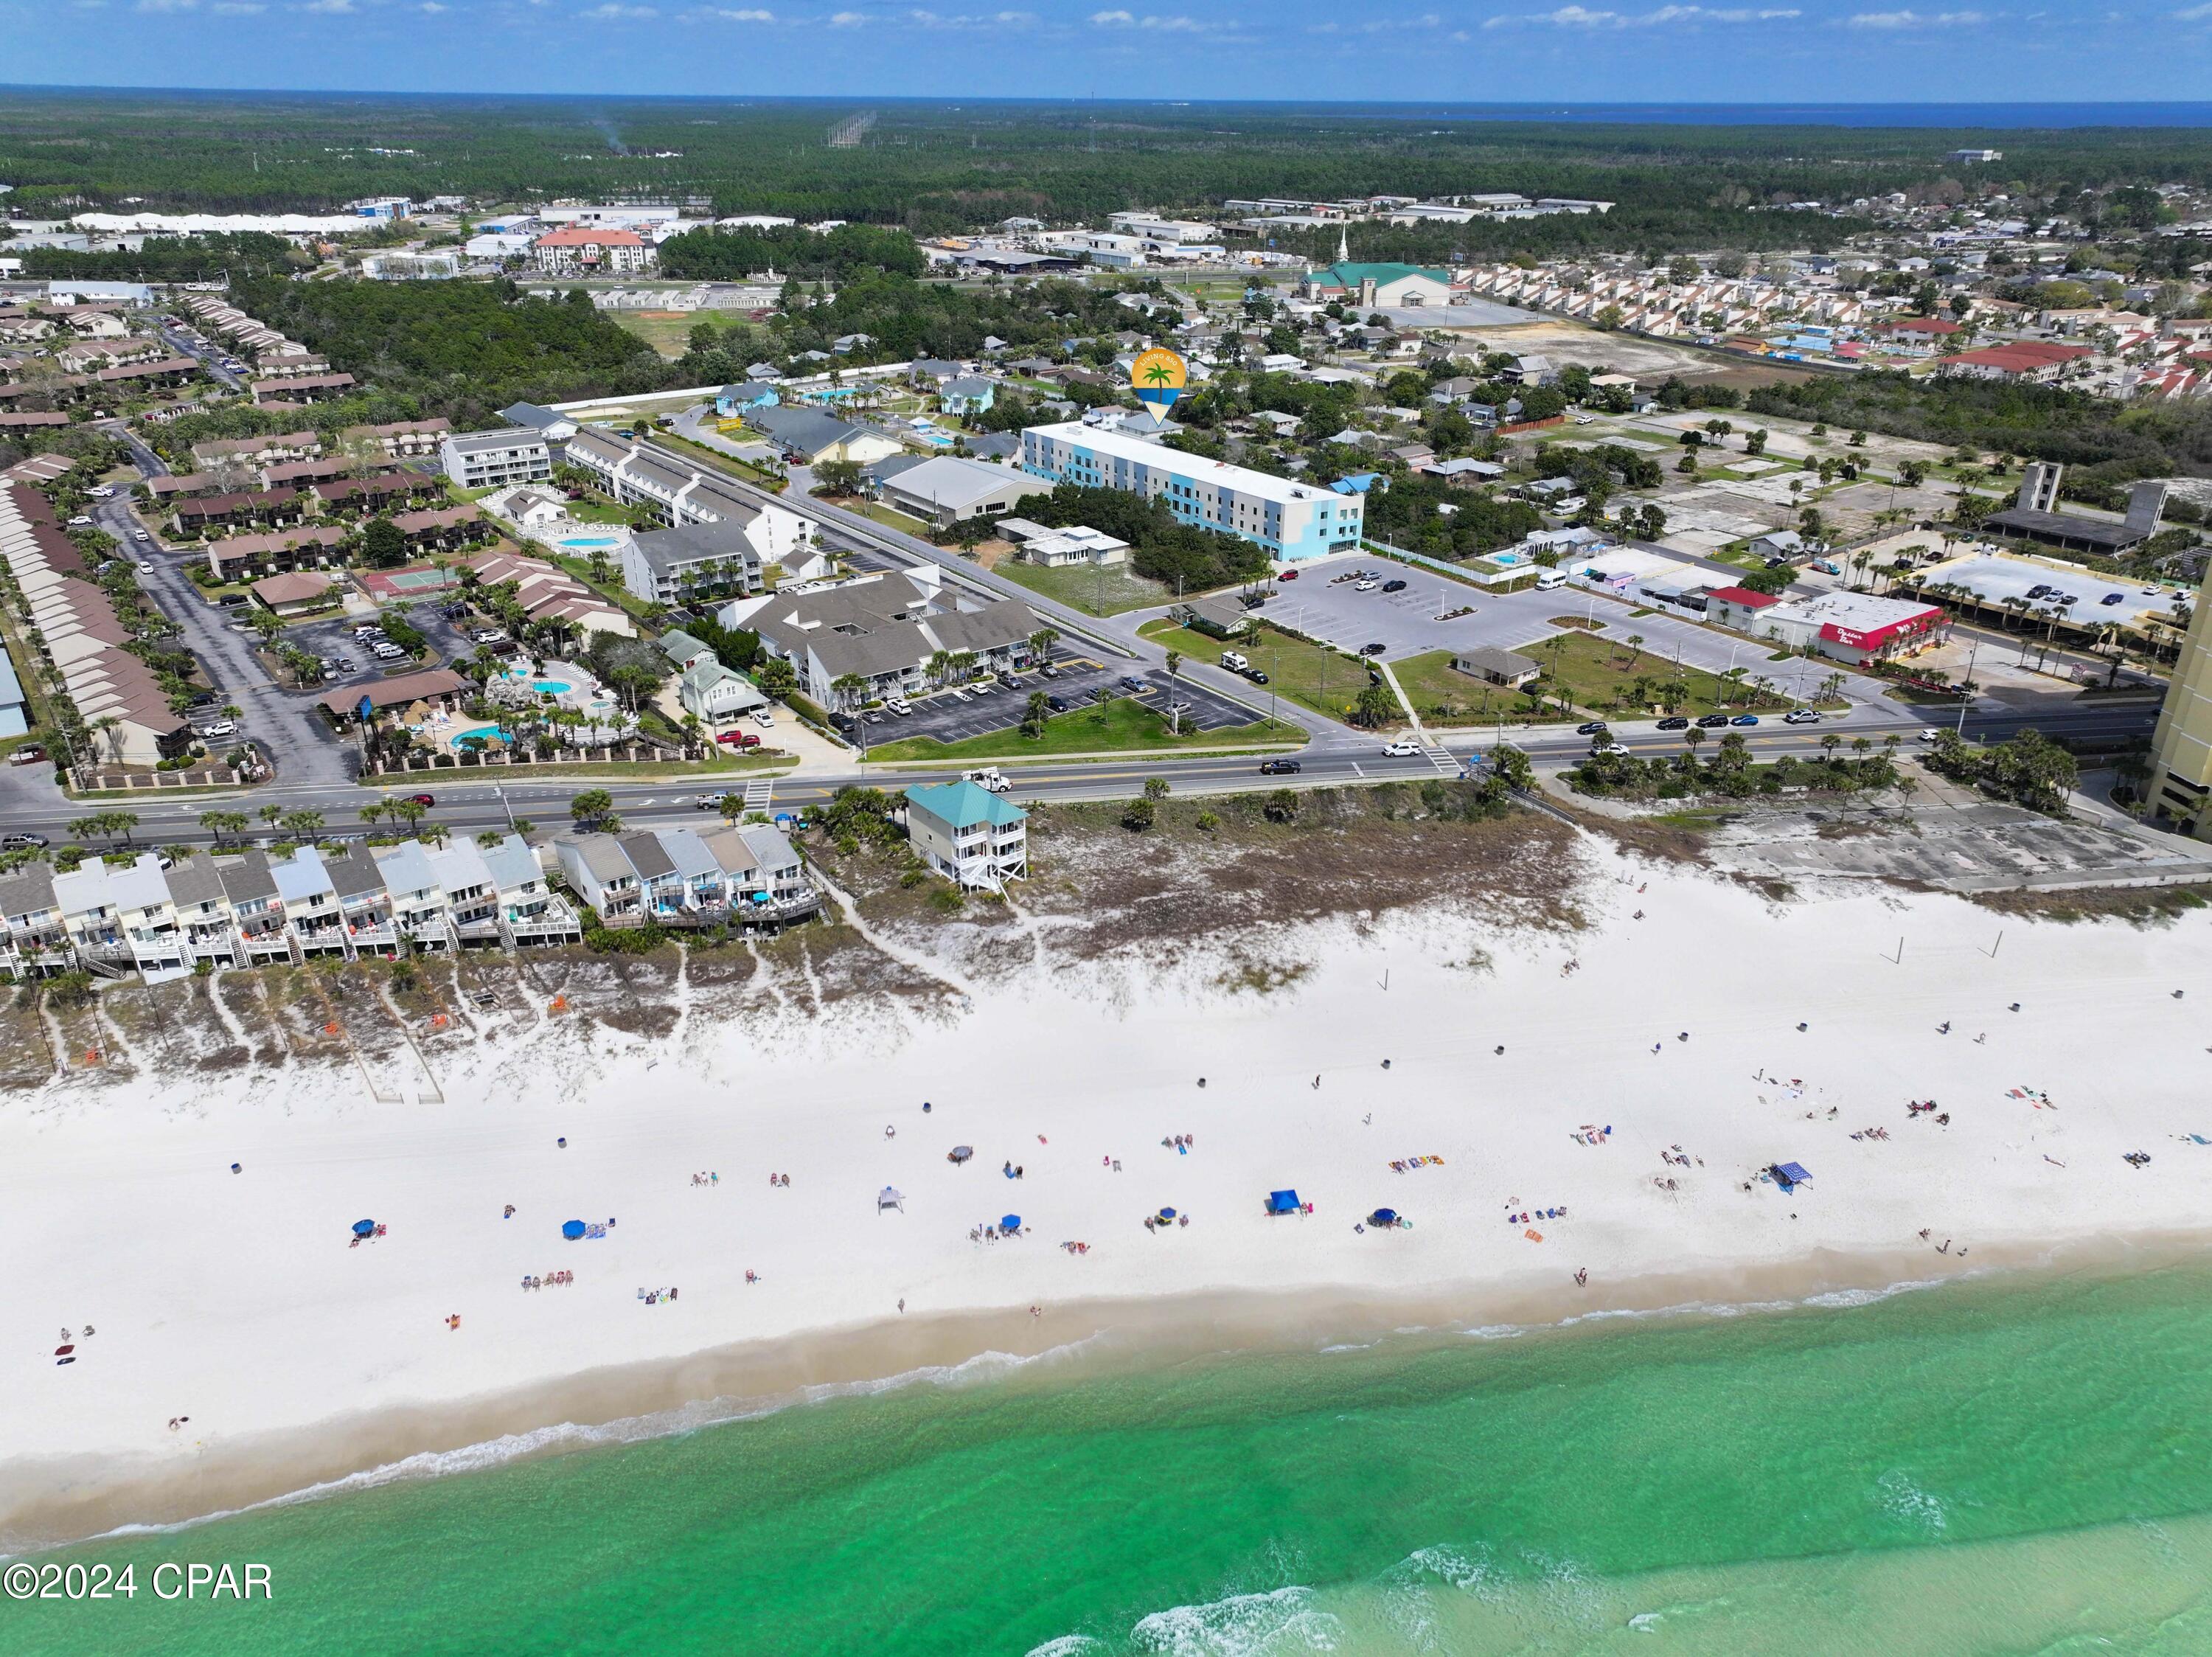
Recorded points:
(1120, 726)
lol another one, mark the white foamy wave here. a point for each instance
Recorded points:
(1275, 1624)
(1905, 1501)
(1068, 1645)
(1828, 1300)
(509, 1447)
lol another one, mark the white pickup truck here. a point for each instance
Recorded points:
(990, 778)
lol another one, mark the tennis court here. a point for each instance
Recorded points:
(406, 583)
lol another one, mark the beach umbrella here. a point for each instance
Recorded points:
(1383, 1217)
(961, 1153)
(1010, 1222)
(1167, 1214)
(572, 1229)
(364, 1228)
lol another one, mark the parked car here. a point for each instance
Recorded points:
(1745, 719)
(80, 522)
(1713, 721)
(1372, 650)
(764, 718)
(21, 841)
(140, 535)
(1131, 684)
(1288, 574)
(1057, 703)
(1280, 768)
(737, 739)
(1591, 727)
(1676, 723)
(1801, 716)
(29, 754)
(1365, 584)
(216, 727)
(2112, 597)
(1393, 587)
(1400, 750)
(1255, 675)
(1049, 671)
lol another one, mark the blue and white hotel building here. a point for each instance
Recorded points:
(1293, 521)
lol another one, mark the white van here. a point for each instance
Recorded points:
(1235, 661)
(1550, 579)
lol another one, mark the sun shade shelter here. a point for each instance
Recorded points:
(1789, 1175)
(959, 1153)
(1010, 1222)
(1383, 1217)
(1282, 1201)
(889, 1198)
(572, 1230)
(364, 1228)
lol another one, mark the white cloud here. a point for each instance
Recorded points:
(1176, 25)
(610, 12)
(847, 19)
(751, 14)
(1582, 18)
(922, 18)
(2195, 14)
(330, 7)
(238, 7)
(431, 8)
(1899, 20)
(167, 5)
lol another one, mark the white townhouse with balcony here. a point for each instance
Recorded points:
(968, 834)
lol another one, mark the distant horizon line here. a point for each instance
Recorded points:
(1563, 106)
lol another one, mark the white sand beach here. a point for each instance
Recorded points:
(238, 1299)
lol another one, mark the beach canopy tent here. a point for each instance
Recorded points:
(572, 1229)
(960, 1153)
(1167, 1214)
(889, 1198)
(1383, 1217)
(1794, 1173)
(364, 1228)
(1010, 1222)
(1282, 1201)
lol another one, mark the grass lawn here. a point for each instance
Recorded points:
(1106, 592)
(668, 332)
(1120, 725)
(887, 516)
(1441, 695)
(613, 591)
(721, 462)
(1323, 680)
(1596, 674)
(601, 511)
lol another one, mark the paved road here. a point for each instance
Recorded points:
(282, 722)
(474, 805)
(208, 352)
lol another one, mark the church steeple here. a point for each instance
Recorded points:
(1343, 247)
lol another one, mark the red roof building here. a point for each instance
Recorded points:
(577, 249)
(2042, 361)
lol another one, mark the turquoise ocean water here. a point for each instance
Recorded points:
(2006, 1466)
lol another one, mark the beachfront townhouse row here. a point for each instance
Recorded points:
(248, 909)
(745, 876)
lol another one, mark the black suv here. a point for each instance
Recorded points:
(1677, 723)
(1393, 587)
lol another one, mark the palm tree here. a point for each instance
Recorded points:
(1040, 643)
(939, 664)
(1636, 649)
(373, 811)
(223, 822)
(1038, 710)
(1175, 719)
(849, 689)
(271, 814)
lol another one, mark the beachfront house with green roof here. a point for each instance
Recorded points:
(968, 834)
(1375, 286)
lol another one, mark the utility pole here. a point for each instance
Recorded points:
(1966, 695)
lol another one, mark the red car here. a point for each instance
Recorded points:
(424, 800)
(738, 740)
(1288, 574)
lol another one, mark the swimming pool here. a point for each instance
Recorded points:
(549, 686)
(589, 541)
(477, 736)
(1505, 560)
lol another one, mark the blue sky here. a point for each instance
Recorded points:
(1298, 50)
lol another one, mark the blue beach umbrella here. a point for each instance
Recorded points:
(1010, 1222)
(1167, 1214)
(1383, 1217)
(364, 1228)
(572, 1229)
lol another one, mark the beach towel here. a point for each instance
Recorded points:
(1533, 1236)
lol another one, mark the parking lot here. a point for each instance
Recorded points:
(1409, 622)
(1080, 680)
(1997, 579)
(334, 637)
